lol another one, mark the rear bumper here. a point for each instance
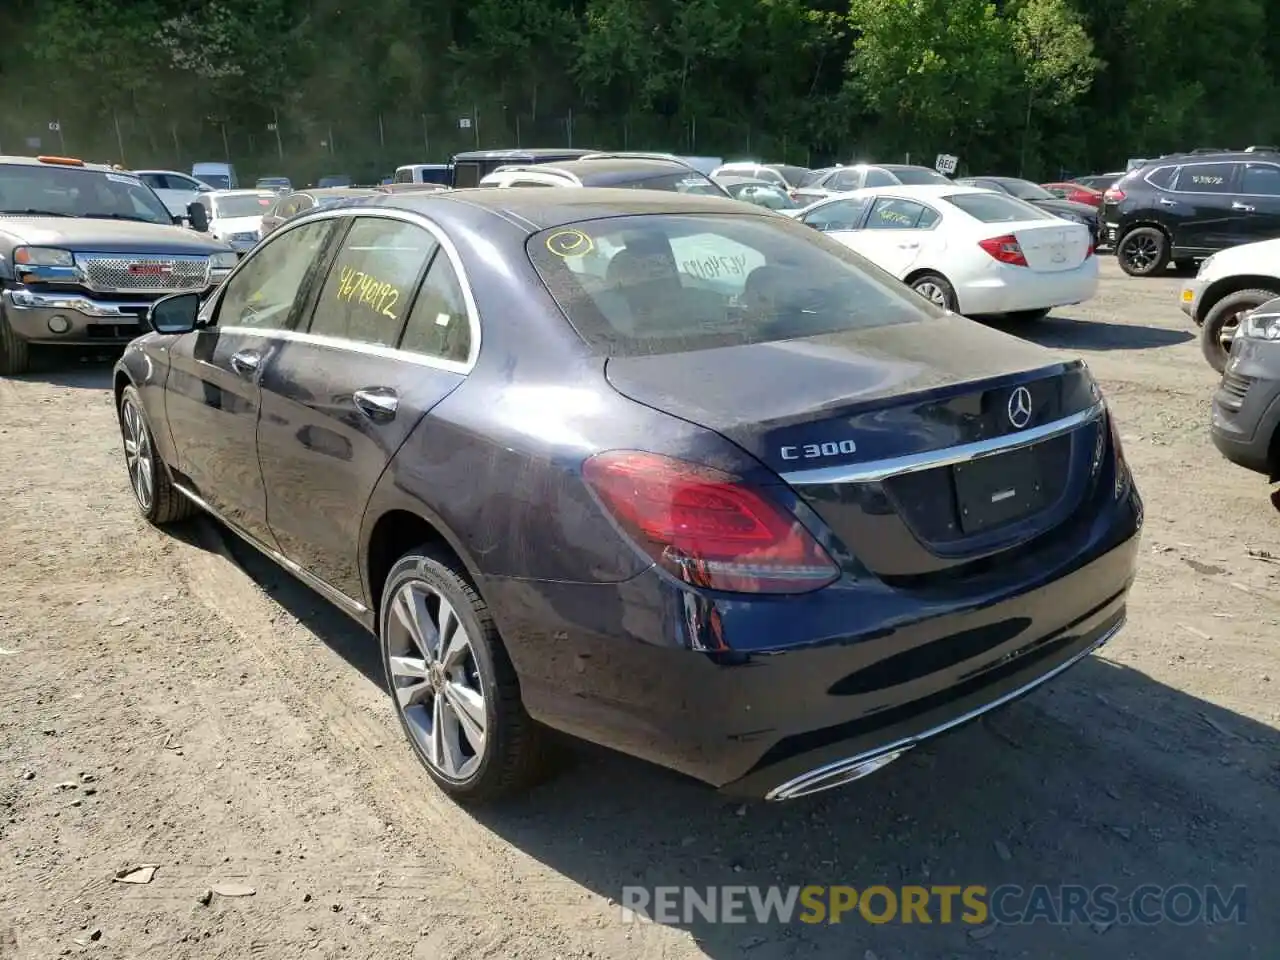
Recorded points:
(750, 694)
(1246, 406)
(1007, 289)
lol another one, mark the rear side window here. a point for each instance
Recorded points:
(1261, 180)
(404, 176)
(656, 284)
(1162, 177)
(1206, 178)
(996, 207)
(371, 281)
(878, 178)
(438, 325)
(845, 180)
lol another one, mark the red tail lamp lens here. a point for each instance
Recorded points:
(706, 527)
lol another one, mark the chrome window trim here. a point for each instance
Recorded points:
(948, 456)
(394, 353)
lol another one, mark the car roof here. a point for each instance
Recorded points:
(607, 170)
(516, 154)
(539, 208)
(738, 178)
(337, 191)
(35, 162)
(921, 191)
(243, 192)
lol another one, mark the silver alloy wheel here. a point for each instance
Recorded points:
(1141, 252)
(436, 680)
(932, 292)
(138, 454)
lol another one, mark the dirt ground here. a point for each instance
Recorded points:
(175, 701)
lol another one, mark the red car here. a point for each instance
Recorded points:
(1076, 192)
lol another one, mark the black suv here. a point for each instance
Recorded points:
(1184, 207)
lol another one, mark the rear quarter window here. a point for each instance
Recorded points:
(1162, 177)
(656, 284)
(996, 207)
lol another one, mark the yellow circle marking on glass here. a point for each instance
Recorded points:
(570, 243)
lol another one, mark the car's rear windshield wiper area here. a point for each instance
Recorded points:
(33, 212)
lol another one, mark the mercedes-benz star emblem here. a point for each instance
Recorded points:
(1020, 407)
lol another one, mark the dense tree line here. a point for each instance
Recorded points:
(309, 86)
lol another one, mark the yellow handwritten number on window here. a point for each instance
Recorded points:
(365, 288)
(570, 243)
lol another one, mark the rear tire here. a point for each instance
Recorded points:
(1221, 322)
(15, 355)
(1143, 251)
(935, 288)
(153, 490)
(453, 683)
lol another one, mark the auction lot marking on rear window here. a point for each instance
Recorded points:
(570, 243)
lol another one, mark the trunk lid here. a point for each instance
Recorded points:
(819, 410)
(1053, 246)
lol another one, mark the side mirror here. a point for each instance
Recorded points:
(198, 216)
(174, 314)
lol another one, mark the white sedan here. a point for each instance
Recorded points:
(973, 251)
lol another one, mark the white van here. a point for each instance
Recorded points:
(220, 176)
(440, 173)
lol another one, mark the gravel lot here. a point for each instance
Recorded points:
(175, 701)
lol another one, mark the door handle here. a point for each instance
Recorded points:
(1166, 202)
(246, 362)
(1242, 207)
(376, 403)
(909, 246)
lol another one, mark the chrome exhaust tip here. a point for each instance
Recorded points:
(833, 775)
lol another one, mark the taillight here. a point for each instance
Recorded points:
(1090, 252)
(1121, 465)
(1005, 249)
(1113, 195)
(706, 527)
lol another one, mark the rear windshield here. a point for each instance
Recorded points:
(685, 182)
(244, 205)
(795, 175)
(916, 176)
(656, 284)
(996, 207)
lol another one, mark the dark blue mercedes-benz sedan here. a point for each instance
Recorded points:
(667, 472)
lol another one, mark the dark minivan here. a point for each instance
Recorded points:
(668, 472)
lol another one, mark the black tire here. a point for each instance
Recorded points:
(1143, 252)
(164, 504)
(515, 746)
(15, 355)
(1221, 316)
(939, 290)
(1028, 316)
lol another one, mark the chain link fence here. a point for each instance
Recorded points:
(306, 145)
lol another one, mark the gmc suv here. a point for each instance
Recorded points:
(1184, 207)
(84, 252)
